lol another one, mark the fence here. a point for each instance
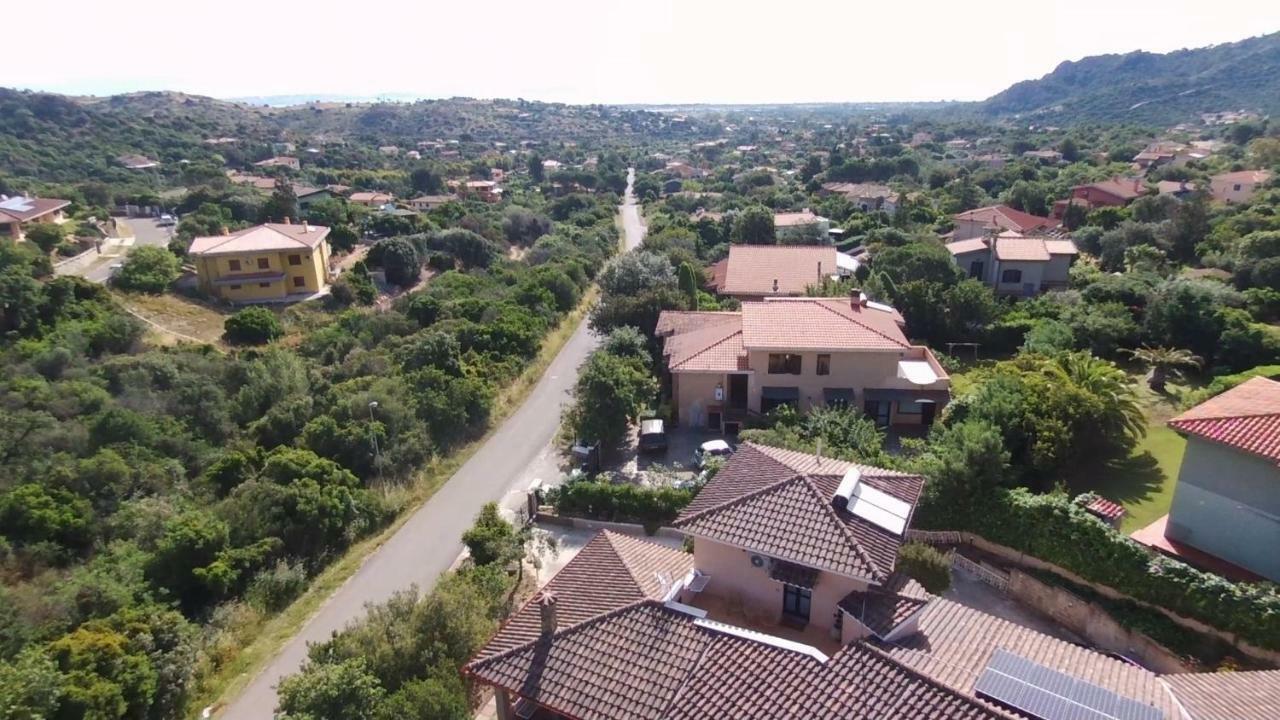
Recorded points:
(991, 576)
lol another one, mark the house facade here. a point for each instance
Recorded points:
(265, 263)
(18, 213)
(1016, 265)
(800, 227)
(791, 605)
(867, 197)
(1227, 500)
(1237, 187)
(805, 352)
(1116, 192)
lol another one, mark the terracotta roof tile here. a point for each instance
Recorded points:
(960, 247)
(761, 503)
(269, 237)
(1244, 176)
(1021, 249)
(1006, 218)
(24, 209)
(1246, 417)
(819, 324)
(611, 571)
(1123, 188)
(752, 269)
(955, 642)
(794, 219)
(681, 321)
(1250, 695)
(712, 346)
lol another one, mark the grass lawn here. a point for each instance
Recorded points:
(1142, 482)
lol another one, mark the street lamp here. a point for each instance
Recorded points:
(373, 438)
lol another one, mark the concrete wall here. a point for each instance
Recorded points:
(1227, 504)
(1093, 623)
(735, 579)
(1058, 270)
(965, 261)
(969, 229)
(694, 393)
(1032, 273)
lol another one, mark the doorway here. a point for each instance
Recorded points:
(738, 392)
(928, 410)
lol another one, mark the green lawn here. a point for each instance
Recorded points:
(1142, 482)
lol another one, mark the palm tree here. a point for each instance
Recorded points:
(1164, 363)
(1122, 412)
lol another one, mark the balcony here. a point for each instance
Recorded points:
(733, 611)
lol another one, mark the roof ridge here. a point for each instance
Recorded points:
(859, 322)
(1232, 416)
(878, 574)
(737, 500)
(471, 667)
(609, 536)
(918, 675)
(709, 347)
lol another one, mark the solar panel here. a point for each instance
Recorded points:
(1040, 692)
(880, 508)
(19, 203)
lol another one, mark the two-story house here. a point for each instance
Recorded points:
(791, 606)
(271, 262)
(804, 352)
(1016, 265)
(1116, 192)
(1226, 506)
(753, 272)
(980, 222)
(17, 213)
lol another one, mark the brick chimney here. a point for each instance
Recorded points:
(547, 610)
(857, 299)
(775, 284)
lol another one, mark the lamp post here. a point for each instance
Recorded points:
(373, 438)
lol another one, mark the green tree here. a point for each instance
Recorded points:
(399, 260)
(34, 513)
(491, 539)
(610, 394)
(30, 686)
(46, 236)
(1164, 362)
(282, 206)
(965, 461)
(754, 226)
(252, 326)
(688, 279)
(107, 674)
(148, 269)
(330, 691)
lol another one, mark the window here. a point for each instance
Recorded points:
(784, 364)
(796, 601)
(233, 265)
(1237, 188)
(264, 284)
(772, 397)
(908, 408)
(233, 287)
(824, 364)
(295, 259)
(299, 282)
(1011, 276)
(264, 264)
(977, 269)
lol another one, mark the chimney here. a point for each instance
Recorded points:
(862, 299)
(288, 220)
(225, 231)
(855, 298)
(775, 284)
(819, 271)
(306, 227)
(547, 609)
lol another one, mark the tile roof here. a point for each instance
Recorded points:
(269, 237)
(886, 607)
(1123, 188)
(1006, 218)
(23, 209)
(794, 219)
(674, 322)
(955, 642)
(1246, 417)
(1061, 246)
(761, 502)
(611, 571)
(712, 346)
(859, 190)
(753, 269)
(648, 662)
(819, 324)
(960, 247)
(1244, 176)
(1012, 248)
(1249, 695)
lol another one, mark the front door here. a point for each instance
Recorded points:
(927, 412)
(796, 602)
(877, 410)
(738, 391)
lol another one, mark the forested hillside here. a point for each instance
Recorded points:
(1148, 87)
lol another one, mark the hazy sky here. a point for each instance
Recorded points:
(638, 51)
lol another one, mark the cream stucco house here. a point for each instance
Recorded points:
(1016, 265)
(801, 351)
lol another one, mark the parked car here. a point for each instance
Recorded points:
(166, 221)
(711, 449)
(586, 457)
(653, 435)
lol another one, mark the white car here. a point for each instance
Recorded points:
(711, 449)
(166, 221)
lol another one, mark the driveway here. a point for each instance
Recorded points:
(519, 452)
(135, 232)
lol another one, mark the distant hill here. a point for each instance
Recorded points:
(1152, 88)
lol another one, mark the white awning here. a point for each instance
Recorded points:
(919, 372)
(846, 263)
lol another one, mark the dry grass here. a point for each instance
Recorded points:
(176, 318)
(270, 634)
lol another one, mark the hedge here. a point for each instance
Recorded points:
(652, 507)
(1053, 529)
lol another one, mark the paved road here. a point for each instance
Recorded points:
(518, 453)
(98, 269)
(631, 222)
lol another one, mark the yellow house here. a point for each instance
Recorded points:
(267, 262)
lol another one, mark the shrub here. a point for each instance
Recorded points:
(273, 589)
(1053, 529)
(148, 269)
(926, 566)
(252, 326)
(652, 507)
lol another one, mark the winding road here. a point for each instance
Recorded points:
(520, 451)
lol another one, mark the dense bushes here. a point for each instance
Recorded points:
(1056, 530)
(148, 269)
(252, 326)
(652, 507)
(926, 566)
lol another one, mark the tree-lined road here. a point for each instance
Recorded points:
(519, 451)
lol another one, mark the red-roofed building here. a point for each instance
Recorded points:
(18, 213)
(1116, 192)
(805, 352)
(981, 222)
(1227, 501)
